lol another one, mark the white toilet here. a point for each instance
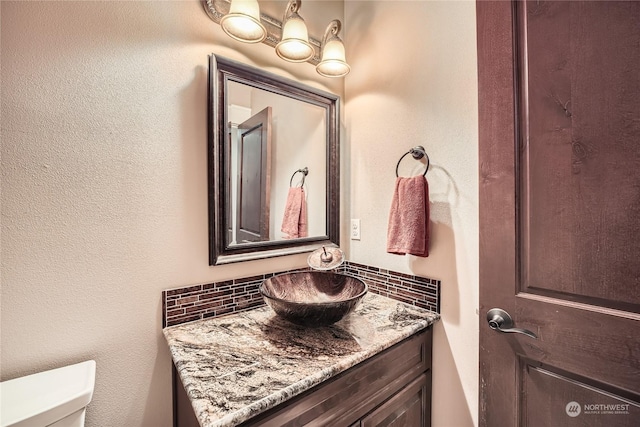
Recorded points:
(55, 398)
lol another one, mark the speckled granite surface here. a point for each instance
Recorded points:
(238, 366)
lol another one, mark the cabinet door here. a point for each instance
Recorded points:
(410, 407)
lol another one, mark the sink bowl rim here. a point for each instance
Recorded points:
(319, 303)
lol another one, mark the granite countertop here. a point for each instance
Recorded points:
(238, 366)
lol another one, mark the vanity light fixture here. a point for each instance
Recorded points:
(243, 22)
(294, 45)
(333, 62)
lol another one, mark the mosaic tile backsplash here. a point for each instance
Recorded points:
(181, 305)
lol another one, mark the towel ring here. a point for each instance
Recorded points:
(304, 172)
(417, 153)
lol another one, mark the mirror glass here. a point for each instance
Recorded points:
(273, 164)
(293, 149)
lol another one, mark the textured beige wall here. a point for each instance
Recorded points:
(413, 82)
(104, 197)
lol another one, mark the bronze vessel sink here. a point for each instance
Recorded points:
(312, 298)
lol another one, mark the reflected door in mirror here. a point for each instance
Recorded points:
(254, 178)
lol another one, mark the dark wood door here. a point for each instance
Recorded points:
(254, 178)
(559, 113)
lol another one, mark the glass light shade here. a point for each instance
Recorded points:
(294, 46)
(243, 22)
(333, 63)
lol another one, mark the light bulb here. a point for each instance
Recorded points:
(243, 22)
(294, 46)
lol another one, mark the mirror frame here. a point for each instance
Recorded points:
(221, 71)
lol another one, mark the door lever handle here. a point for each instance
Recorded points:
(499, 320)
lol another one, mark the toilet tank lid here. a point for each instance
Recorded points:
(46, 397)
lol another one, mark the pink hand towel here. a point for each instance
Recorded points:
(408, 231)
(294, 222)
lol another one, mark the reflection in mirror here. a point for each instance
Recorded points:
(271, 138)
(263, 131)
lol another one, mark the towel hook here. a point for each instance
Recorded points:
(304, 171)
(417, 153)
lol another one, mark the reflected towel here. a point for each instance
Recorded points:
(294, 222)
(408, 231)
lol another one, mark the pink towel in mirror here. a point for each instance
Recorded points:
(294, 222)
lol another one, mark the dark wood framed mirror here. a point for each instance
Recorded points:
(268, 135)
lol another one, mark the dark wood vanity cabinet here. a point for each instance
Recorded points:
(411, 406)
(392, 388)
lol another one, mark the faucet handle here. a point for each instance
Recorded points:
(325, 258)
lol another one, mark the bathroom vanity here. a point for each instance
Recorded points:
(254, 368)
